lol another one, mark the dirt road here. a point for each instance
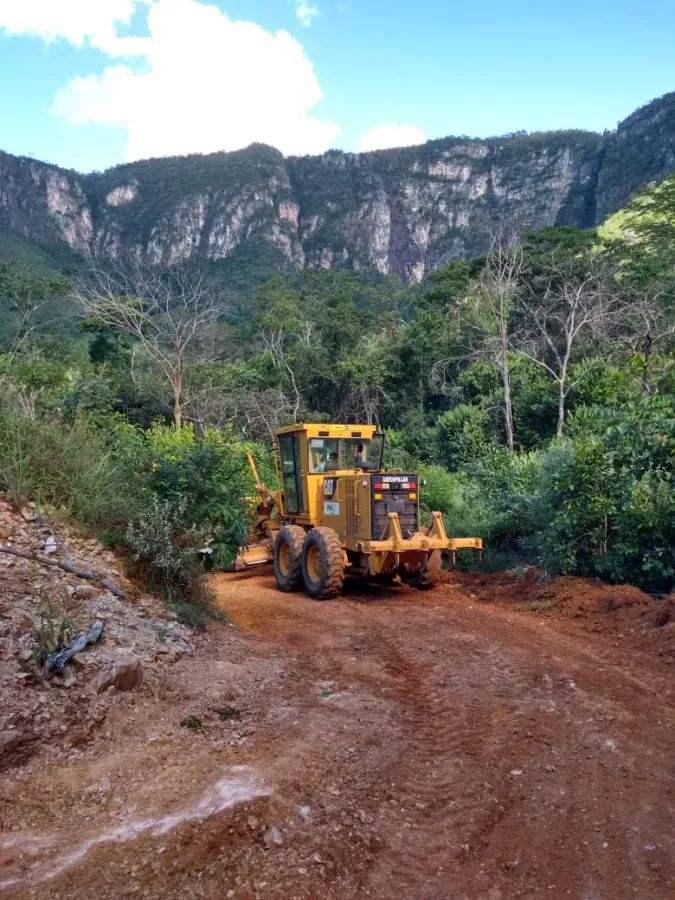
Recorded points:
(391, 744)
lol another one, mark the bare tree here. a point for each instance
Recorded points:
(274, 341)
(170, 312)
(484, 323)
(562, 309)
(646, 328)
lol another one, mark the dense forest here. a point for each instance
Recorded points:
(533, 387)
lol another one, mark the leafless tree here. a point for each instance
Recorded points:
(647, 328)
(483, 324)
(274, 341)
(171, 312)
(562, 309)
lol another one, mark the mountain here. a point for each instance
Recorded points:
(402, 211)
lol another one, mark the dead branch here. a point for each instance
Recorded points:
(88, 576)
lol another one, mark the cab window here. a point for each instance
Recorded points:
(356, 452)
(289, 447)
(324, 454)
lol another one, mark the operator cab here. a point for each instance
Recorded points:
(316, 449)
(333, 454)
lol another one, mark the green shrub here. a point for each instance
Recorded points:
(165, 553)
(208, 478)
(604, 500)
(73, 469)
(440, 490)
(55, 628)
(461, 436)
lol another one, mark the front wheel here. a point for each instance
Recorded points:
(323, 567)
(288, 557)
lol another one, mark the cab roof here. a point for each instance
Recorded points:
(322, 429)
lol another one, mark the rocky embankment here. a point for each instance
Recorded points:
(38, 604)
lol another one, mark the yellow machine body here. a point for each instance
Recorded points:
(331, 477)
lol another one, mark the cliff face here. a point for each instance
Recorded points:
(44, 204)
(399, 211)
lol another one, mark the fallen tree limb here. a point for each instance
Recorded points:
(56, 661)
(88, 576)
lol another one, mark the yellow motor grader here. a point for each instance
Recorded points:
(339, 513)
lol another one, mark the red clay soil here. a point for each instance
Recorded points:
(472, 743)
(625, 614)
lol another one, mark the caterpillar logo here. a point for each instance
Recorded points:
(329, 486)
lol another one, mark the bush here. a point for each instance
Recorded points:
(75, 470)
(461, 436)
(571, 507)
(165, 553)
(208, 478)
(604, 501)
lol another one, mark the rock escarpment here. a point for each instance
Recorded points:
(402, 211)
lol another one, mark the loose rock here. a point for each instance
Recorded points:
(273, 838)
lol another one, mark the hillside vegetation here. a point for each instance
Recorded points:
(533, 387)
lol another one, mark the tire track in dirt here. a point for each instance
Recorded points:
(473, 702)
(470, 704)
(444, 802)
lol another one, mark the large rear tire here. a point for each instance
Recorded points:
(288, 557)
(323, 567)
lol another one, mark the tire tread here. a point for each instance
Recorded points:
(334, 578)
(295, 536)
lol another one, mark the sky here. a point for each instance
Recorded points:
(88, 84)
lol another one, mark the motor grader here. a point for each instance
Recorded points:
(338, 512)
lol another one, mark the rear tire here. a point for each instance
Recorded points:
(323, 567)
(288, 557)
(430, 574)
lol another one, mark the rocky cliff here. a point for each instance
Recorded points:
(401, 211)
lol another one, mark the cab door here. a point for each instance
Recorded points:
(289, 450)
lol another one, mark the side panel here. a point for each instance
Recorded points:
(345, 505)
(332, 503)
(363, 501)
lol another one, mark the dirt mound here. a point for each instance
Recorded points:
(622, 612)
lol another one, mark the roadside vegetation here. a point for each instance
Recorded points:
(532, 387)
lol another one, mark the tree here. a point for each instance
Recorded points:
(561, 309)
(647, 328)
(365, 375)
(483, 319)
(27, 294)
(172, 314)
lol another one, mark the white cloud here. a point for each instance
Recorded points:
(76, 21)
(384, 136)
(204, 83)
(305, 12)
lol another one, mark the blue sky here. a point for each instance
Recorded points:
(91, 83)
